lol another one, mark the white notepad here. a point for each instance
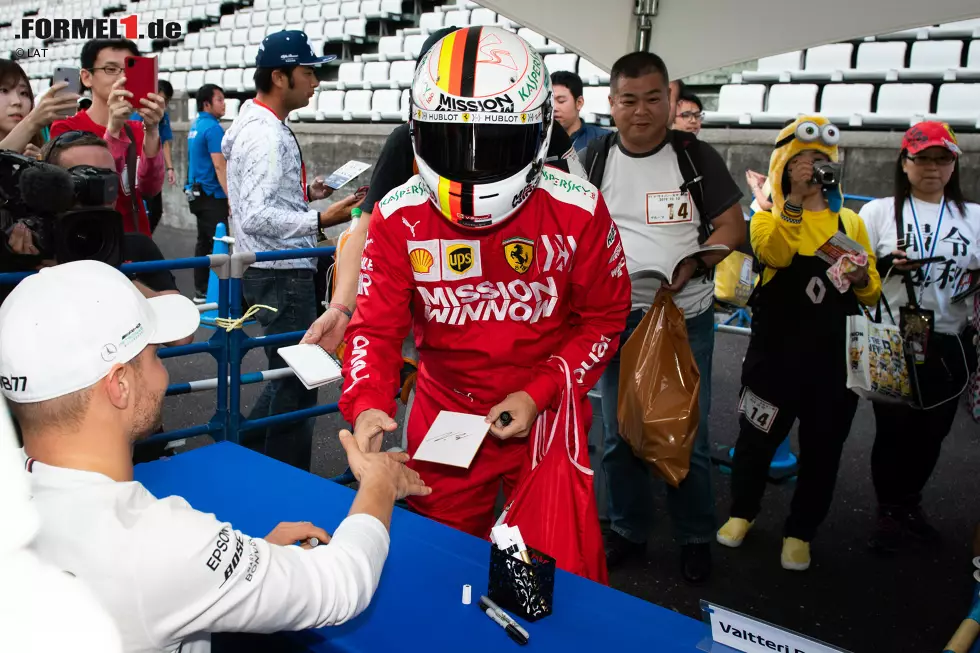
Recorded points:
(312, 365)
(453, 439)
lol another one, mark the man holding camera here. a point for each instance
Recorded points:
(135, 145)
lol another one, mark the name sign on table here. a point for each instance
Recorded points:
(743, 633)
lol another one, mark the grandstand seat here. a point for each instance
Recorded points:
(195, 79)
(933, 60)
(216, 58)
(330, 11)
(192, 41)
(311, 13)
(413, 45)
(555, 62)
(294, 16)
(277, 4)
(844, 104)
(402, 73)
(972, 69)
(314, 29)
(191, 110)
(242, 20)
(391, 7)
(186, 13)
(591, 74)
(294, 3)
(386, 105)
(357, 105)
(376, 75)
(878, 61)
(958, 30)
(168, 60)
(777, 68)
(248, 79)
(208, 37)
(235, 57)
(786, 102)
(259, 18)
(223, 39)
(457, 17)
(483, 16)
(227, 22)
(212, 10)
(231, 80)
(260, 5)
(214, 76)
(179, 81)
(240, 36)
(256, 34)
(900, 105)
(596, 102)
(406, 104)
(251, 53)
(199, 59)
(959, 105)
(330, 105)
(276, 17)
(350, 74)
(355, 27)
(391, 48)
(737, 103)
(333, 30)
(826, 63)
(431, 21)
(350, 9)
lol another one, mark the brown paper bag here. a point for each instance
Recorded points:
(658, 391)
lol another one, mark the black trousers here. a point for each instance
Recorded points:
(154, 210)
(209, 211)
(825, 409)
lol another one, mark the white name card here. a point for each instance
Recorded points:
(743, 633)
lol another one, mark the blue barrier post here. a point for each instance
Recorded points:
(214, 287)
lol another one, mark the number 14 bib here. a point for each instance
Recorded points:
(670, 207)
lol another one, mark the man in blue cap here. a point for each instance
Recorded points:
(269, 197)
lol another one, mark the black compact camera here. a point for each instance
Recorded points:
(826, 173)
(69, 212)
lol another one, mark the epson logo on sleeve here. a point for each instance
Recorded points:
(221, 546)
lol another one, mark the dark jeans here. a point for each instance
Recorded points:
(209, 211)
(154, 210)
(292, 293)
(692, 505)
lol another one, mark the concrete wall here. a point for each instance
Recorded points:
(869, 158)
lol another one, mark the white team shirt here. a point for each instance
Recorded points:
(958, 240)
(656, 222)
(169, 575)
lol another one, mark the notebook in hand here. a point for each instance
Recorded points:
(312, 365)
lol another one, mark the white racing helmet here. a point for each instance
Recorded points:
(481, 122)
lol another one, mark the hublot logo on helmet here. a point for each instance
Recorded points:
(502, 103)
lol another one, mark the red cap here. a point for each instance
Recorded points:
(928, 134)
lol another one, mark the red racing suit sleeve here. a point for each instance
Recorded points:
(373, 354)
(600, 298)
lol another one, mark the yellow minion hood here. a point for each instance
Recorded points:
(812, 132)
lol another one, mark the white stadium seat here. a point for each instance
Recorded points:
(900, 105)
(391, 6)
(251, 52)
(536, 40)
(959, 105)
(376, 74)
(826, 62)
(878, 61)
(242, 20)
(311, 12)
(248, 79)
(232, 79)
(294, 3)
(357, 105)
(391, 47)
(777, 68)
(934, 60)
(556, 62)
(333, 30)
(402, 73)
(214, 76)
(276, 17)
(240, 36)
(459, 18)
(314, 29)
(431, 21)
(962, 29)
(192, 41)
(223, 39)
(256, 34)
(330, 105)
(370, 8)
(350, 9)
(168, 60)
(309, 111)
(294, 16)
(414, 43)
(786, 102)
(259, 18)
(199, 59)
(227, 22)
(355, 27)
(216, 58)
(386, 105)
(330, 11)
(845, 103)
(483, 16)
(596, 102)
(737, 103)
(208, 37)
(277, 4)
(973, 58)
(195, 79)
(350, 74)
(591, 74)
(179, 81)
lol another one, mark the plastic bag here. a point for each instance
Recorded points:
(876, 365)
(658, 391)
(735, 279)
(554, 504)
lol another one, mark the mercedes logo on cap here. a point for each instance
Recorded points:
(109, 352)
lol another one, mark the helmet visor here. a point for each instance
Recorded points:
(477, 153)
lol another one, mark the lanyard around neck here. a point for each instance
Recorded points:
(922, 244)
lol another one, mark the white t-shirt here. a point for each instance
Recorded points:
(169, 574)
(959, 242)
(657, 222)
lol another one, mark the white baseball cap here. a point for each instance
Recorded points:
(64, 328)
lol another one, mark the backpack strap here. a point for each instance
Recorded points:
(596, 154)
(688, 150)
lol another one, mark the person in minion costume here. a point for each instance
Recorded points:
(796, 364)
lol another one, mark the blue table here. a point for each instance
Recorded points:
(418, 602)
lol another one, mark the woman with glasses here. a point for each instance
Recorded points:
(928, 219)
(690, 113)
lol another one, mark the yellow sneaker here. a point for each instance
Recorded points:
(733, 532)
(796, 554)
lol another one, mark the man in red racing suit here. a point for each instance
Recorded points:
(488, 309)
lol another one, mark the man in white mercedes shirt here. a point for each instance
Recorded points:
(79, 366)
